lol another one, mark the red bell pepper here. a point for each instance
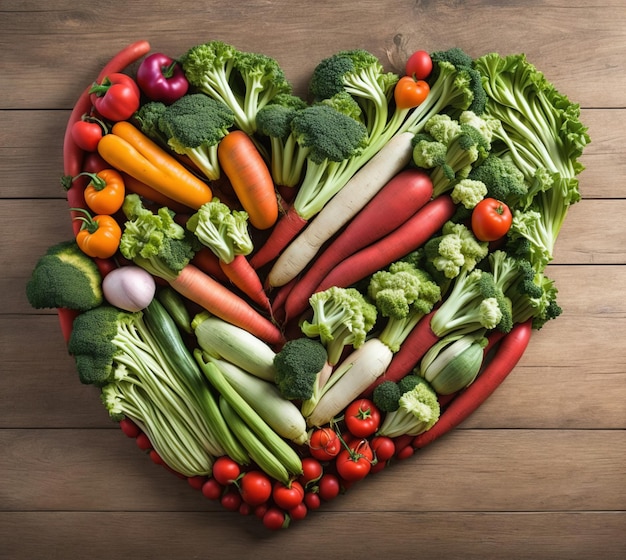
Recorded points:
(161, 78)
(116, 97)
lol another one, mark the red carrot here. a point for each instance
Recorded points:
(211, 295)
(66, 321)
(286, 228)
(407, 238)
(244, 277)
(511, 349)
(394, 204)
(207, 261)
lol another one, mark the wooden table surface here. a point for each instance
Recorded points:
(538, 472)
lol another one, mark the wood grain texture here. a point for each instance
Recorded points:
(538, 472)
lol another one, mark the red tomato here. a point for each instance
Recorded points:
(212, 489)
(352, 466)
(312, 470)
(274, 519)
(129, 428)
(362, 418)
(298, 512)
(312, 500)
(419, 65)
(231, 500)
(287, 496)
(383, 448)
(324, 444)
(143, 442)
(225, 470)
(329, 487)
(196, 482)
(255, 488)
(491, 219)
(86, 134)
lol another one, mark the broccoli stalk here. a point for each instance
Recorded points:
(117, 352)
(193, 126)
(65, 277)
(341, 317)
(245, 82)
(403, 294)
(418, 410)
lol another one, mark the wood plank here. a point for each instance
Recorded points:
(468, 470)
(454, 536)
(41, 140)
(32, 47)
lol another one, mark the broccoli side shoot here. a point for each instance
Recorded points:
(418, 410)
(221, 229)
(341, 317)
(65, 277)
(298, 366)
(155, 241)
(245, 82)
(503, 180)
(147, 118)
(193, 126)
(403, 294)
(386, 396)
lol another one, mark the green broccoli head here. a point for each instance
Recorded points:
(341, 317)
(386, 396)
(442, 127)
(147, 118)
(504, 181)
(298, 364)
(274, 120)
(65, 277)
(428, 152)
(155, 241)
(468, 193)
(346, 104)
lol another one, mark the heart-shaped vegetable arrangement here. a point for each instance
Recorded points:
(277, 297)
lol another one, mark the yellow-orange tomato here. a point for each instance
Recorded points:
(410, 93)
(105, 192)
(99, 236)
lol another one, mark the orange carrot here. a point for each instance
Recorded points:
(250, 178)
(128, 150)
(407, 238)
(511, 349)
(201, 289)
(244, 277)
(208, 262)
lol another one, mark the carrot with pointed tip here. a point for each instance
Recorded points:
(511, 349)
(407, 238)
(244, 277)
(394, 204)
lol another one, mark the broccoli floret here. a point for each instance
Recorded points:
(468, 193)
(193, 126)
(417, 412)
(244, 81)
(65, 277)
(332, 142)
(155, 241)
(346, 104)
(409, 382)
(404, 294)
(428, 152)
(473, 303)
(273, 121)
(504, 181)
(221, 229)
(360, 74)
(454, 250)
(147, 118)
(386, 396)
(443, 128)
(298, 364)
(341, 317)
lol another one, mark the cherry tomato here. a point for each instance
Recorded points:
(298, 512)
(491, 219)
(287, 496)
(410, 93)
(405, 453)
(226, 470)
(329, 487)
(312, 470)
(275, 519)
(86, 133)
(312, 500)
(419, 65)
(362, 418)
(324, 444)
(212, 489)
(231, 500)
(129, 428)
(245, 509)
(383, 448)
(355, 463)
(196, 482)
(156, 458)
(143, 442)
(255, 487)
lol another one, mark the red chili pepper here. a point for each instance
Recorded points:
(116, 97)
(162, 78)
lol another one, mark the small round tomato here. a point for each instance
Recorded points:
(225, 470)
(231, 500)
(491, 219)
(419, 65)
(329, 487)
(312, 500)
(255, 487)
(383, 448)
(86, 133)
(274, 519)
(287, 496)
(324, 444)
(352, 466)
(298, 512)
(312, 470)
(212, 489)
(129, 428)
(362, 418)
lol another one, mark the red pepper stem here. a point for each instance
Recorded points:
(101, 89)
